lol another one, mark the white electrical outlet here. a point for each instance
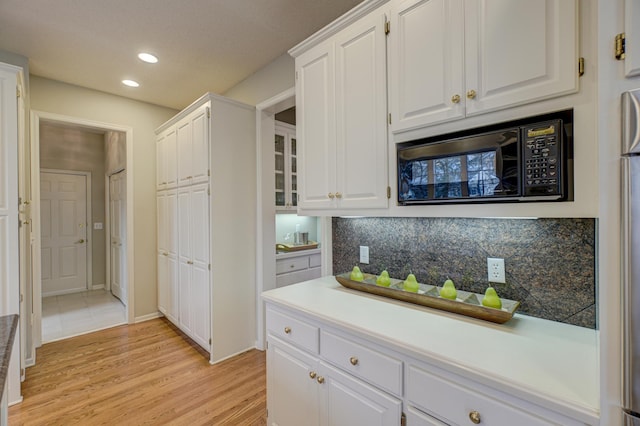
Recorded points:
(364, 254)
(495, 270)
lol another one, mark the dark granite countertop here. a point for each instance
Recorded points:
(8, 325)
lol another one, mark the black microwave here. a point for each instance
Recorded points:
(522, 160)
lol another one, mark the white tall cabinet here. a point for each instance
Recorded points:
(206, 219)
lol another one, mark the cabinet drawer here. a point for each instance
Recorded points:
(369, 364)
(292, 264)
(293, 330)
(315, 260)
(437, 393)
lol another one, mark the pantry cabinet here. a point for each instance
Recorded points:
(206, 279)
(341, 118)
(453, 58)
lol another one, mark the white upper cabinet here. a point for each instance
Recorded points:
(193, 149)
(315, 125)
(341, 122)
(455, 58)
(286, 166)
(166, 164)
(426, 62)
(632, 35)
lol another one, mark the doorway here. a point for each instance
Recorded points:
(91, 301)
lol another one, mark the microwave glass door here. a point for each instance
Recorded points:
(483, 166)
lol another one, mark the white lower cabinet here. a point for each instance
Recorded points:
(297, 267)
(321, 374)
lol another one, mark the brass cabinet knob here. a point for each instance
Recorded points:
(165, 254)
(474, 416)
(353, 360)
(320, 379)
(330, 195)
(292, 266)
(287, 330)
(312, 374)
(338, 195)
(81, 241)
(455, 99)
(471, 94)
(189, 262)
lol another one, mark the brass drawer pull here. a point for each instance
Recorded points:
(471, 94)
(353, 360)
(312, 374)
(330, 195)
(474, 416)
(320, 379)
(338, 194)
(455, 99)
(287, 330)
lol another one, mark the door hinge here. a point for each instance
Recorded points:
(209, 266)
(403, 419)
(21, 298)
(208, 191)
(296, 75)
(209, 172)
(387, 27)
(580, 67)
(389, 118)
(209, 340)
(388, 192)
(18, 92)
(208, 113)
(267, 344)
(619, 50)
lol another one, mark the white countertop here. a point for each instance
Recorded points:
(545, 362)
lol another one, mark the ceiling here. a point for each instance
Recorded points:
(202, 45)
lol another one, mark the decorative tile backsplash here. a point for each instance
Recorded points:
(549, 263)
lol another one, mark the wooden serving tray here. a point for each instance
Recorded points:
(297, 247)
(468, 304)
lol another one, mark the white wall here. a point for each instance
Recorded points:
(65, 99)
(272, 79)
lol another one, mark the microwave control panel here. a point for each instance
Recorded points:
(542, 155)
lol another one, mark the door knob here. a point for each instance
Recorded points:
(80, 241)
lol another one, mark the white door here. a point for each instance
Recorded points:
(63, 213)
(533, 56)
(171, 222)
(426, 63)
(117, 226)
(185, 260)
(315, 91)
(361, 109)
(200, 296)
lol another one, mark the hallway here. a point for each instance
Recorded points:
(79, 313)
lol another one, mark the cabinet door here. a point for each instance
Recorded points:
(346, 400)
(161, 203)
(280, 167)
(533, 56)
(292, 388)
(170, 159)
(184, 259)
(315, 91)
(361, 114)
(426, 62)
(200, 145)
(161, 178)
(632, 34)
(200, 295)
(184, 145)
(173, 296)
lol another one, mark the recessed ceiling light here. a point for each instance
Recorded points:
(130, 83)
(147, 57)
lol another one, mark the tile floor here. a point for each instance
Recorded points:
(79, 313)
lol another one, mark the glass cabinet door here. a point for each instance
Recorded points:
(286, 170)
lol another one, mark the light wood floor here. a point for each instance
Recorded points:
(142, 374)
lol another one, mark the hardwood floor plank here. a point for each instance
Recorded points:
(143, 374)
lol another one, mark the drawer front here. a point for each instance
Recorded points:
(372, 366)
(315, 260)
(292, 264)
(457, 403)
(293, 330)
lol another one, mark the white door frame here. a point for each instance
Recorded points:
(266, 209)
(36, 118)
(89, 237)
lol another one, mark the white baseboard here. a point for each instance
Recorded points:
(147, 317)
(97, 287)
(232, 355)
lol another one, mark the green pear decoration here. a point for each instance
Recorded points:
(356, 274)
(383, 280)
(491, 299)
(448, 290)
(411, 284)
